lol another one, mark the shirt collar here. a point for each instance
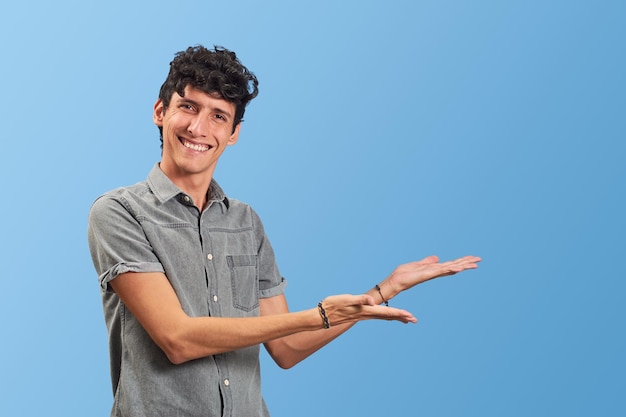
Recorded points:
(164, 189)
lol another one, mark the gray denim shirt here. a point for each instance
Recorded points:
(219, 262)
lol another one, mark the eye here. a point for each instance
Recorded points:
(186, 106)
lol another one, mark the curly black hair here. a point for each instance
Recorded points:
(214, 71)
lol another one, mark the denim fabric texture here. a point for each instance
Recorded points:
(219, 262)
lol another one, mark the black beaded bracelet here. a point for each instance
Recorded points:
(381, 296)
(323, 314)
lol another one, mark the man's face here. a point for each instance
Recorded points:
(197, 128)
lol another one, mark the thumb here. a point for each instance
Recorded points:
(433, 259)
(366, 300)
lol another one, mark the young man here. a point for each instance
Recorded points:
(189, 282)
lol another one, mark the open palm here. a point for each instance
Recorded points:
(410, 274)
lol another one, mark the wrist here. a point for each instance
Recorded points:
(390, 287)
(388, 290)
(383, 292)
(324, 317)
(384, 299)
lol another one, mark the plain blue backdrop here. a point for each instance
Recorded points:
(385, 131)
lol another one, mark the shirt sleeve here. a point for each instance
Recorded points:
(117, 241)
(271, 282)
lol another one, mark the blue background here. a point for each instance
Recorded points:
(385, 131)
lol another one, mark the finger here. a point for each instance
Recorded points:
(402, 316)
(429, 260)
(461, 264)
(349, 300)
(391, 314)
(470, 259)
(466, 259)
(359, 300)
(433, 259)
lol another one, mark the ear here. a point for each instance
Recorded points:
(235, 136)
(158, 113)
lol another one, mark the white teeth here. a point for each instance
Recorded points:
(199, 148)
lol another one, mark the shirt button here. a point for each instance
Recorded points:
(186, 198)
(226, 382)
(209, 256)
(215, 298)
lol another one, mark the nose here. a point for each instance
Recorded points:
(197, 127)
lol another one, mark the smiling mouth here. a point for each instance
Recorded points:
(194, 146)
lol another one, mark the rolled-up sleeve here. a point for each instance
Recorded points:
(117, 242)
(271, 282)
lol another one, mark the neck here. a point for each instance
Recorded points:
(195, 185)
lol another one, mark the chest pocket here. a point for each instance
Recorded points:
(244, 281)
